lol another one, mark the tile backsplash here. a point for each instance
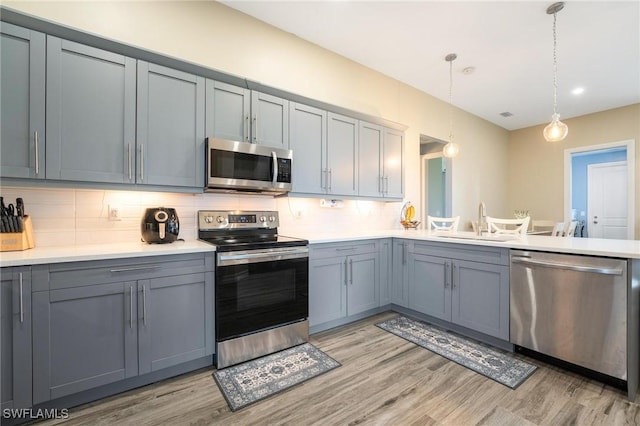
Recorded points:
(81, 216)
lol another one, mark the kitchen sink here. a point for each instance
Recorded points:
(472, 236)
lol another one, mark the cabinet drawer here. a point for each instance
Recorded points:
(323, 251)
(77, 274)
(484, 254)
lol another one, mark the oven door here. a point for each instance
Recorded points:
(260, 289)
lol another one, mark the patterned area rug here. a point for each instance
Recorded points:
(497, 365)
(260, 378)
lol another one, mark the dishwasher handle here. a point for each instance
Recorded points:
(578, 268)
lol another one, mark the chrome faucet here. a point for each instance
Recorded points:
(482, 215)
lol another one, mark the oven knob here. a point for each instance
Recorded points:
(263, 218)
(208, 219)
(220, 219)
(272, 218)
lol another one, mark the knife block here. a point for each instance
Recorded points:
(15, 241)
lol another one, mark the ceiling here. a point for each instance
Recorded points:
(509, 43)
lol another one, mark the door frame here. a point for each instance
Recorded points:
(631, 173)
(424, 189)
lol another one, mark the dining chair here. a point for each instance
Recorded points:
(449, 224)
(501, 226)
(571, 229)
(542, 225)
(558, 230)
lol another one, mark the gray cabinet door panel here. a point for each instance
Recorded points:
(87, 337)
(171, 320)
(228, 111)
(170, 127)
(386, 268)
(399, 286)
(342, 139)
(393, 163)
(15, 332)
(270, 120)
(90, 113)
(481, 297)
(362, 291)
(308, 139)
(22, 104)
(428, 286)
(327, 290)
(370, 179)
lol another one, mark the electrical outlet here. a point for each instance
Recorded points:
(114, 213)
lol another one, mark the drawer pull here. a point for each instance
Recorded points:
(137, 268)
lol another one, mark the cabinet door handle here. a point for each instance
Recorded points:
(329, 180)
(351, 271)
(453, 275)
(381, 185)
(346, 275)
(255, 128)
(130, 306)
(144, 304)
(135, 268)
(141, 162)
(447, 274)
(386, 184)
(21, 301)
(129, 159)
(35, 142)
(246, 128)
(404, 253)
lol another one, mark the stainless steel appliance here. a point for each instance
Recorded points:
(240, 166)
(261, 285)
(578, 309)
(160, 225)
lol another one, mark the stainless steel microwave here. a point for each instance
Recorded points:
(240, 166)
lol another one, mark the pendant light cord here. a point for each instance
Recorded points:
(451, 101)
(555, 67)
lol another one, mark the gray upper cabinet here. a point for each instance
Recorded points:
(270, 120)
(393, 163)
(15, 332)
(308, 140)
(22, 109)
(341, 167)
(240, 114)
(380, 161)
(370, 177)
(170, 127)
(91, 114)
(228, 111)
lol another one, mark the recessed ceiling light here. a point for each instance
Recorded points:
(468, 70)
(578, 91)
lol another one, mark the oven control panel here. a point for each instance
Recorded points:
(234, 219)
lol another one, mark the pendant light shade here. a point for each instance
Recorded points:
(451, 149)
(556, 130)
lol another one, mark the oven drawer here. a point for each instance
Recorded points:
(327, 250)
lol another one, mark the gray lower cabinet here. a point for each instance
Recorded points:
(399, 286)
(465, 285)
(91, 114)
(343, 280)
(170, 127)
(96, 323)
(15, 332)
(22, 104)
(385, 251)
(308, 140)
(239, 114)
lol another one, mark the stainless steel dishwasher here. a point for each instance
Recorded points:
(573, 308)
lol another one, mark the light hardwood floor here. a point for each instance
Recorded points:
(384, 380)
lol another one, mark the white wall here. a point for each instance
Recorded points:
(213, 35)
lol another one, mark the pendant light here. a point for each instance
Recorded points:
(451, 149)
(556, 130)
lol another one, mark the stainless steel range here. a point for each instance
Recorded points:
(261, 286)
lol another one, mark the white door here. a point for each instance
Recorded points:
(607, 200)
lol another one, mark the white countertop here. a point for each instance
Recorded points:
(590, 246)
(44, 255)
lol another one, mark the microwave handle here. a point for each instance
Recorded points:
(275, 166)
